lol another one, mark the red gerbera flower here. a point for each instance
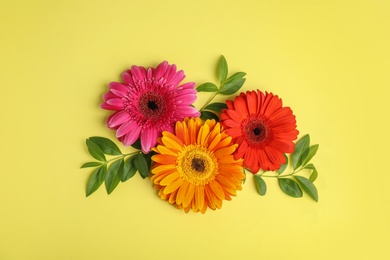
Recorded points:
(263, 129)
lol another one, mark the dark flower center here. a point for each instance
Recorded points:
(257, 131)
(198, 165)
(152, 105)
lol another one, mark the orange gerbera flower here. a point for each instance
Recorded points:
(263, 129)
(194, 168)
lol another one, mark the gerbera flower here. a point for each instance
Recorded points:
(148, 102)
(194, 168)
(263, 129)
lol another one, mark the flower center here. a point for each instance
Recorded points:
(197, 165)
(152, 105)
(255, 131)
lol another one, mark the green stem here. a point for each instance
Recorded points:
(209, 100)
(283, 175)
(121, 156)
(277, 176)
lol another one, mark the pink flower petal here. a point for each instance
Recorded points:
(188, 85)
(118, 89)
(188, 111)
(132, 136)
(148, 139)
(118, 119)
(115, 102)
(161, 69)
(177, 78)
(126, 76)
(170, 72)
(139, 73)
(126, 128)
(109, 95)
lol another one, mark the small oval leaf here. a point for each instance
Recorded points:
(283, 166)
(314, 172)
(137, 144)
(91, 164)
(95, 151)
(113, 175)
(299, 148)
(207, 87)
(232, 87)
(129, 169)
(96, 179)
(260, 185)
(106, 145)
(235, 76)
(308, 187)
(290, 187)
(217, 106)
(141, 165)
(308, 154)
(222, 69)
(204, 115)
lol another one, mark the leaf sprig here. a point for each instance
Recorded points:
(290, 183)
(227, 86)
(120, 168)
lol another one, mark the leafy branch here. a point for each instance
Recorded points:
(227, 86)
(290, 183)
(120, 168)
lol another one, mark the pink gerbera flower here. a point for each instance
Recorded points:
(149, 102)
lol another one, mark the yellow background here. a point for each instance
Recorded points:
(328, 60)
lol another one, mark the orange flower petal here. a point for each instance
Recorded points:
(164, 158)
(171, 144)
(226, 151)
(164, 150)
(199, 197)
(189, 195)
(182, 192)
(169, 179)
(217, 189)
(173, 186)
(203, 134)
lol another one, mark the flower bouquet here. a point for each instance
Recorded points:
(198, 158)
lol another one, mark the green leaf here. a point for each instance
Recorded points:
(137, 144)
(308, 187)
(260, 185)
(222, 69)
(91, 164)
(95, 151)
(106, 145)
(235, 76)
(129, 169)
(113, 175)
(283, 166)
(141, 165)
(207, 87)
(231, 87)
(290, 187)
(300, 147)
(314, 172)
(308, 154)
(96, 179)
(148, 158)
(217, 106)
(204, 115)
